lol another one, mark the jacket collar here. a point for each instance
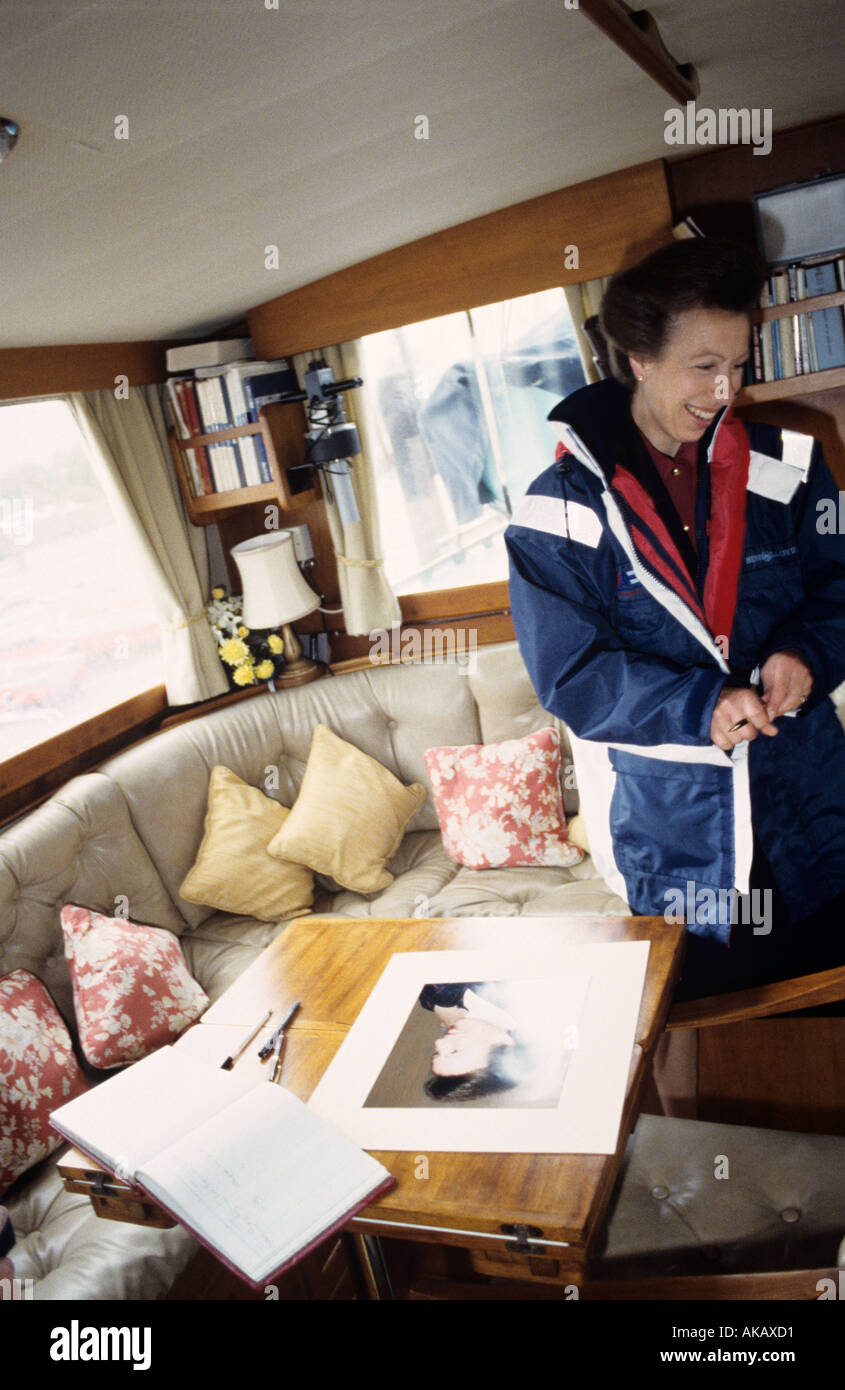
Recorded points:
(600, 415)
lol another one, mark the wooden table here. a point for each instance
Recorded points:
(526, 1216)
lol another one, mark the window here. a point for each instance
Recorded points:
(459, 407)
(80, 633)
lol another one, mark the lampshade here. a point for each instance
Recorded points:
(274, 589)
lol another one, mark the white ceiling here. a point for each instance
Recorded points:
(252, 126)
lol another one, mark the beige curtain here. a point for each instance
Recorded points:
(368, 600)
(584, 300)
(128, 435)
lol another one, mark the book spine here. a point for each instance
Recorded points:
(757, 355)
(225, 413)
(776, 349)
(821, 279)
(237, 404)
(792, 278)
(787, 348)
(829, 335)
(185, 391)
(766, 346)
(254, 417)
(806, 364)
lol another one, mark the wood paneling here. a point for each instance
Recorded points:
(613, 220)
(780, 1073)
(716, 187)
(352, 653)
(30, 777)
(49, 371)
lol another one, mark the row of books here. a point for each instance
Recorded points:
(800, 343)
(222, 397)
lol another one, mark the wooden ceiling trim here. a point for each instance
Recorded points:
(26, 372)
(612, 220)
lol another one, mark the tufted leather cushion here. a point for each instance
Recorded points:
(80, 847)
(778, 1203)
(69, 1253)
(132, 830)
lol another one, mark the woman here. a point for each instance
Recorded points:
(475, 1055)
(677, 606)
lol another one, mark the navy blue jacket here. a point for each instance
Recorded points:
(617, 648)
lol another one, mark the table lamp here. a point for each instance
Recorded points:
(276, 595)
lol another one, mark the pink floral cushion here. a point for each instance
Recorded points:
(132, 990)
(500, 804)
(38, 1073)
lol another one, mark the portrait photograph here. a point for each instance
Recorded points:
(502, 1043)
(498, 1050)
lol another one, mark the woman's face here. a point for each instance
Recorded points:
(698, 373)
(466, 1046)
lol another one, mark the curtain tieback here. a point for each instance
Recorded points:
(189, 622)
(360, 564)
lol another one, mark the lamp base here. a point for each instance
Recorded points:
(300, 673)
(298, 669)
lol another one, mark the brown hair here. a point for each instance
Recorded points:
(641, 304)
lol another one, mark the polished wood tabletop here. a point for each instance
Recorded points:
(469, 1199)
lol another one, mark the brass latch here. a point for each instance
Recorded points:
(523, 1244)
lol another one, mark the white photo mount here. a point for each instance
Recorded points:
(589, 1112)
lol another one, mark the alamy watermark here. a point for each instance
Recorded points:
(17, 519)
(425, 646)
(712, 907)
(831, 515)
(16, 1290)
(729, 125)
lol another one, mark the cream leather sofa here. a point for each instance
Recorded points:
(133, 828)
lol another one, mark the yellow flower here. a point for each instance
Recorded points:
(243, 631)
(265, 670)
(244, 674)
(233, 651)
(275, 643)
(218, 593)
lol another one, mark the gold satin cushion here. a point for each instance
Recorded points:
(349, 817)
(233, 870)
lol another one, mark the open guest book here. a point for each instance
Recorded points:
(248, 1169)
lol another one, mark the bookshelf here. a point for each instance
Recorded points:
(285, 447)
(801, 383)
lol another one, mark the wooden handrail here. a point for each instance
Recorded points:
(803, 992)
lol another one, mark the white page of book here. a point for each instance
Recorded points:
(263, 1180)
(125, 1120)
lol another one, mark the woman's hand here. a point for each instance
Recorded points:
(739, 715)
(787, 681)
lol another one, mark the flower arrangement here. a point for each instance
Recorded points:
(249, 658)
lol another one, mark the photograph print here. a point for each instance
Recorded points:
(495, 1043)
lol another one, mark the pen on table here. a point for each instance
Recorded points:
(279, 1037)
(230, 1061)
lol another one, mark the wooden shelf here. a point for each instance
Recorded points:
(212, 506)
(787, 386)
(799, 306)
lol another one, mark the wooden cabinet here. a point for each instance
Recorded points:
(282, 429)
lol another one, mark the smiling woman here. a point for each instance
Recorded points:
(81, 633)
(678, 606)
